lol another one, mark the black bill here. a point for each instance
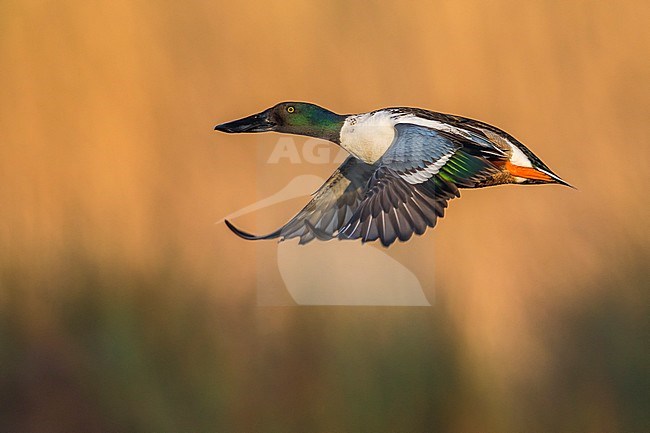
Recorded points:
(260, 122)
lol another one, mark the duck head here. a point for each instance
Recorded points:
(300, 118)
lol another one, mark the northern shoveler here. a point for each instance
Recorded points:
(405, 164)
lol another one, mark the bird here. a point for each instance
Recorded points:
(404, 166)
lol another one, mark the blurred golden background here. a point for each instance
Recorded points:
(124, 308)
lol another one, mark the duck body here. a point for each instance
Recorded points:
(405, 164)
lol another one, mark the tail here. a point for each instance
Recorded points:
(536, 174)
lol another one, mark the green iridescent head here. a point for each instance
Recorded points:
(299, 118)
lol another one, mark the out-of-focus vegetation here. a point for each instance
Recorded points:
(124, 308)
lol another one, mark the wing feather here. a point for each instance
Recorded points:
(419, 173)
(403, 194)
(330, 208)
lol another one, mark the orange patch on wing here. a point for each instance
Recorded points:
(526, 172)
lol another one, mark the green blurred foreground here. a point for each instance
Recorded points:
(125, 352)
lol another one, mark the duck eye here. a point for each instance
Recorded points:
(290, 109)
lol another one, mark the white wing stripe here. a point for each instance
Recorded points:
(424, 174)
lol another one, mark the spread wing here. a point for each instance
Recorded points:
(416, 177)
(330, 208)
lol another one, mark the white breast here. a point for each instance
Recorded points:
(368, 136)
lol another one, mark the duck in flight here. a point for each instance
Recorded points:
(405, 164)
